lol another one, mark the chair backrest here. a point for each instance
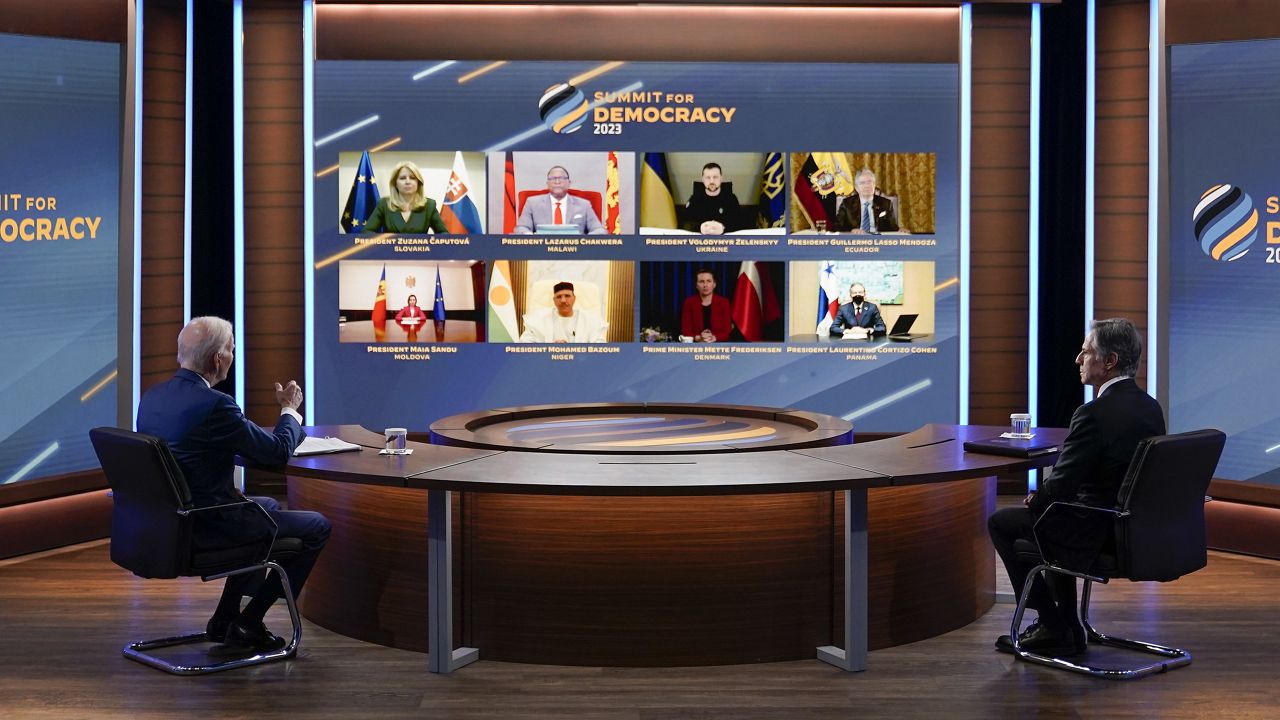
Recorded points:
(591, 196)
(1163, 536)
(149, 537)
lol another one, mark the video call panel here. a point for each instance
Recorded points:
(636, 231)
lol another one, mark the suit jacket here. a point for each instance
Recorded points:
(205, 429)
(849, 216)
(721, 317)
(410, 311)
(1091, 467)
(870, 319)
(425, 218)
(538, 210)
(588, 327)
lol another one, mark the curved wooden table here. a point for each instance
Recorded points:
(928, 456)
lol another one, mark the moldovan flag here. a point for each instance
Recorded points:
(509, 196)
(362, 198)
(657, 209)
(502, 304)
(612, 218)
(380, 301)
(438, 310)
(754, 303)
(828, 297)
(458, 211)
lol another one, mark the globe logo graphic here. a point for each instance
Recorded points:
(1226, 222)
(563, 108)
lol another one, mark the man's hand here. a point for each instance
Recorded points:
(712, 227)
(1027, 500)
(289, 396)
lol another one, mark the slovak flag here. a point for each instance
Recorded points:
(828, 297)
(755, 304)
(459, 211)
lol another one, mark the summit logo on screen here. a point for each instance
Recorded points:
(1226, 222)
(563, 108)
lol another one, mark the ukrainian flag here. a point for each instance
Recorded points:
(657, 209)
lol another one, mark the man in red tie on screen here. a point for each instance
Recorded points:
(558, 208)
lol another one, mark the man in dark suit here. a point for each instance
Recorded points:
(866, 212)
(857, 313)
(1090, 469)
(205, 429)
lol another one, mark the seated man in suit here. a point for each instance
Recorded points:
(558, 207)
(564, 324)
(1090, 469)
(715, 210)
(866, 212)
(205, 429)
(858, 315)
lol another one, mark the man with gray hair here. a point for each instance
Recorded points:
(206, 429)
(868, 211)
(1089, 470)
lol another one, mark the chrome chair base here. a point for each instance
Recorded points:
(1173, 658)
(140, 651)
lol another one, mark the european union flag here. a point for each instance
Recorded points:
(363, 197)
(773, 183)
(438, 311)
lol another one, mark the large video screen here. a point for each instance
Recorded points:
(1224, 250)
(59, 235)
(507, 233)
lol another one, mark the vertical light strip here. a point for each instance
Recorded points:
(186, 174)
(966, 118)
(237, 193)
(1033, 236)
(1155, 71)
(1090, 127)
(135, 331)
(308, 215)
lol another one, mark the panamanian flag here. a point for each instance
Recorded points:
(828, 296)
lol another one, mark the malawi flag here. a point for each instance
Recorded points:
(509, 196)
(362, 198)
(812, 205)
(437, 311)
(459, 211)
(612, 217)
(380, 301)
(755, 304)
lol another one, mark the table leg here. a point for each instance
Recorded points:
(442, 657)
(853, 656)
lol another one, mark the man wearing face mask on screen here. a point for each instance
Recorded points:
(858, 314)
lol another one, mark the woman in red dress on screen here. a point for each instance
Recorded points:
(706, 317)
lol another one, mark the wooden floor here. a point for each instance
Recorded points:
(64, 616)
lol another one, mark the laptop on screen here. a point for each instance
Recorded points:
(901, 330)
(563, 229)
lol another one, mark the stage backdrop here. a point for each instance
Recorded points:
(59, 234)
(633, 139)
(1224, 250)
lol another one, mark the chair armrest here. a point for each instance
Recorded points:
(1061, 506)
(238, 503)
(275, 528)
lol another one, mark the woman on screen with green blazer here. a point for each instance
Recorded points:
(406, 209)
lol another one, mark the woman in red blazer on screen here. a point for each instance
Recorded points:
(411, 310)
(706, 317)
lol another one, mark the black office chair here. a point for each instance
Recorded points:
(1159, 535)
(151, 528)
